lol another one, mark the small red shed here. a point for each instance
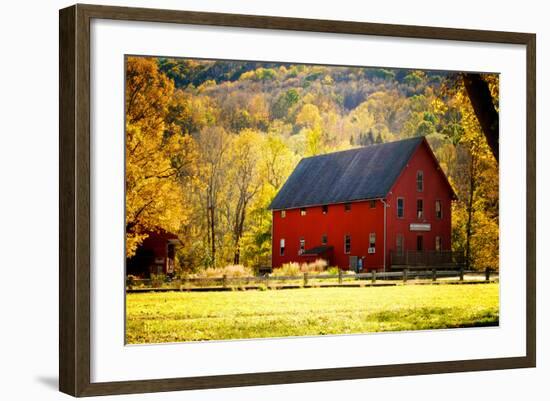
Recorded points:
(156, 255)
(364, 209)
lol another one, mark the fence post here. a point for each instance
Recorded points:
(405, 274)
(305, 279)
(487, 274)
(461, 274)
(224, 281)
(339, 276)
(434, 274)
(267, 280)
(373, 277)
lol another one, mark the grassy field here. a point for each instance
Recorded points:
(196, 316)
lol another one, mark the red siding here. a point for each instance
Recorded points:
(358, 222)
(362, 220)
(435, 188)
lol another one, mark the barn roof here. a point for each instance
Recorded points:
(357, 174)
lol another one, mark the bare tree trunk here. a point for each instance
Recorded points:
(212, 235)
(238, 230)
(211, 224)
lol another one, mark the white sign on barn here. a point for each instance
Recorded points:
(420, 227)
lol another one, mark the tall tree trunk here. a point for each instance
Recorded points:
(470, 207)
(238, 231)
(212, 235)
(484, 109)
(211, 224)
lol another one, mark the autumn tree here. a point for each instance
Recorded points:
(158, 158)
(214, 147)
(244, 174)
(474, 172)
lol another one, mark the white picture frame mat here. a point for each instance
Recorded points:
(112, 360)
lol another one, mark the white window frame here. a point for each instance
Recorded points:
(423, 215)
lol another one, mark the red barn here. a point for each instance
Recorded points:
(156, 255)
(365, 209)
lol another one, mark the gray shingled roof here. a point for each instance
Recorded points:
(350, 175)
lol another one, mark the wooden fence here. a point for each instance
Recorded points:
(308, 280)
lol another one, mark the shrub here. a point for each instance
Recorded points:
(296, 269)
(287, 269)
(130, 281)
(157, 280)
(333, 270)
(320, 265)
(229, 271)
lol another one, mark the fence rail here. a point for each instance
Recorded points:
(313, 280)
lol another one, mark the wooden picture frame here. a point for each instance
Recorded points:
(74, 203)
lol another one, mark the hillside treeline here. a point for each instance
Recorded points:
(209, 144)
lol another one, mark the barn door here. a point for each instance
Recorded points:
(353, 263)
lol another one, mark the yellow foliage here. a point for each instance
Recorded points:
(155, 162)
(309, 116)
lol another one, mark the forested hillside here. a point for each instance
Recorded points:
(209, 144)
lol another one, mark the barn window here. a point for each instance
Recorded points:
(400, 207)
(437, 243)
(324, 239)
(420, 181)
(420, 208)
(419, 243)
(372, 204)
(399, 245)
(302, 246)
(283, 214)
(438, 211)
(303, 211)
(347, 243)
(372, 240)
(282, 247)
(347, 207)
(325, 209)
